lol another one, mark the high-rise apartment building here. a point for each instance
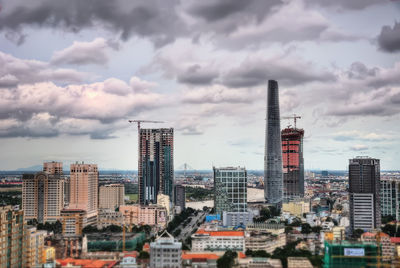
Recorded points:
(84, 181)
(11, 237)
(34, 247)
(230, 186)
(273, 179)
(364, 191)
(165, 252)
(179, 196)
(43, 193)
(390, 197)
(156, 164)
(293, 163)
(53, 168)
(111, 196)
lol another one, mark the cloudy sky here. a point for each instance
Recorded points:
(73, 72)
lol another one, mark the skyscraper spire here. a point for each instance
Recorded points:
(273, 178)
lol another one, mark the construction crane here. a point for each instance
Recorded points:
(143, 121)
(294, 117)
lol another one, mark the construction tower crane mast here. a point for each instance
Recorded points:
(294, 117)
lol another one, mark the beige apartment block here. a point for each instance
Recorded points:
(111, 196)
(153, 215)
(34, 247)
(11, 237)
(43, 193)
(53, 168)
(84, 181)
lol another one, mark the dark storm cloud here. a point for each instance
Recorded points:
(156, 20)
(258, 72)
(359, 70)
(389, 38)
(346, 4)
(226, 16)
(196, 75)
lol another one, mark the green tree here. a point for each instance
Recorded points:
(143, 255)
(227, 260)
(357, 233)
(316, 229)
(305, 228)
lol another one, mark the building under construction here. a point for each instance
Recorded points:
(293, 163)
(156, 164)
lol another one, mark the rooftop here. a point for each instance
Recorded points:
(220, 233)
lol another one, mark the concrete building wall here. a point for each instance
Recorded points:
(111, 196)
(84, 179)
(42, 196)
(11, 237)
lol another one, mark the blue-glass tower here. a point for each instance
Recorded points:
(273, 177)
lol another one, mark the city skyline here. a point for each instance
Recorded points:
(205, 74)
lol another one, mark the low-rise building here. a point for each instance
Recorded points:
(237, 218)
(109, 217)
(153, 215)
(388, 250)
(200, 260)
(264, 241)
(299, 262)
(270, 226)
(218, 241)
(297, 208)
(256, 262)
(165, 252)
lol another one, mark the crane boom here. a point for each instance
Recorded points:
(294, 117)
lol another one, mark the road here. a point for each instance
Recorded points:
(186, 231)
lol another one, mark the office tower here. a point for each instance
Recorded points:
(390, 197)
(273, 180)
(293, 163)
(165, 252)
(34, 247)
(364, 190)
(84, 180)
(111, 196)
(230, 186)
(43, 193)
(179, 196)
(11, 237)
(156, 164)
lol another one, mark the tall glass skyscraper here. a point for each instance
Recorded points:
(230, 186)
(156, 164)
(273, 179)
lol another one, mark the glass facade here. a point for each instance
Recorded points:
(273, 177)
(390, 197)
(230, 186)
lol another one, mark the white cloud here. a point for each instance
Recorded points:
(80, 53)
